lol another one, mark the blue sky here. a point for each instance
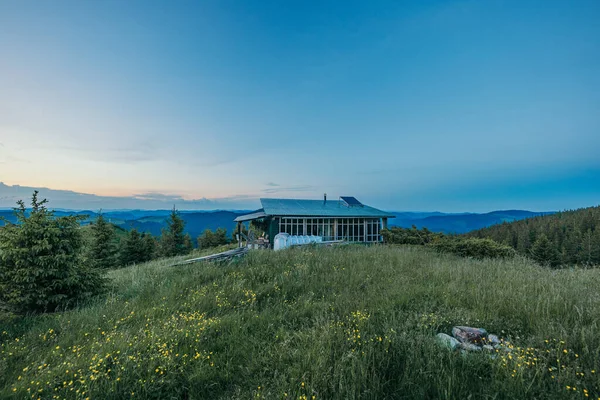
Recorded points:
(450, 106)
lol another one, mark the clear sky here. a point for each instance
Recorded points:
(407, 105)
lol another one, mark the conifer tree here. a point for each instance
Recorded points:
(206, 240)
(221, 237)
(172, 240)
(543, 251)
(210, 239)
(40, 261)
(103, 251)
(150, 246)
(132, 248)
(187, 243)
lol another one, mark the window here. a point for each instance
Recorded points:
(351, 229)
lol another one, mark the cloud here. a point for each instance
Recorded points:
(273, 184)
(81, 201)
(280, 189)
(126, 154)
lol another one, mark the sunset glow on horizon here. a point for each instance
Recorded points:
(451, 106)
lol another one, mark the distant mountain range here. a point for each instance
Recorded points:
(459, 223)
(153, 221)
(196, 222)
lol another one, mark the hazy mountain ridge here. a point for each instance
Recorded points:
(153, 221)
(462, 223)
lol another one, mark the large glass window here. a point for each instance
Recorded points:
(351, 229)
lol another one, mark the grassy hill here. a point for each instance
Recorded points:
(333, 323)
(573, 236)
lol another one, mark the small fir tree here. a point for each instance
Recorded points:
(221, 237)
(206, 240)
(543, 251)
(187, 243)
(103, 251)
(40, 261)
(172, 240)
(150, 246)
(210, 239)
(132, 248)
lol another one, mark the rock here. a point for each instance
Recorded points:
(466, 334)
(493, 340)
(447, 341)
(489, 348)
(469, 347)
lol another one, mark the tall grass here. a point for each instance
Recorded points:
(333, 323)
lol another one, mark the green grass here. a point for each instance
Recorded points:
(334, 323)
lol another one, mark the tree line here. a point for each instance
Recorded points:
(46, 263)
(106, 251)
(565, 238)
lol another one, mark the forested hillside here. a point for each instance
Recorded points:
(564, 238)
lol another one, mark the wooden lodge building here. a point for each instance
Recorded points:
(343, 219)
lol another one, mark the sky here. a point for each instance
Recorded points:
(431, 105)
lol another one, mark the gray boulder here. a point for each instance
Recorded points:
(466, 334)
(447, 341)
(469, 347)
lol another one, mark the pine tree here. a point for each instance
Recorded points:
(103, 251)
(543, 251)
(150, 247)
(221, 237)
(206, 240)
(40, 261)
(132, 248)
(172, 240)
(595, 253)
(210, 239)
(187, 243)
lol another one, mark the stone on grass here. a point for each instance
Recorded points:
(466, 334)
(469, 347)
(447, 341)
(488, 348)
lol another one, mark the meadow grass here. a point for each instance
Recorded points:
(326, 323)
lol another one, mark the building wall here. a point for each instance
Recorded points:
(273, 229)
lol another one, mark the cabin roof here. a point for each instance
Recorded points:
(313, 208)
(253, 215)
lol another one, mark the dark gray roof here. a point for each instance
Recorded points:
(253, 215)
(318, 208)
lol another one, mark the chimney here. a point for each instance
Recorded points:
(324, 198)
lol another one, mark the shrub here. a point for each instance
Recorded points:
(40, 261)
(210, 239)
(398, 235)
(473, 247)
